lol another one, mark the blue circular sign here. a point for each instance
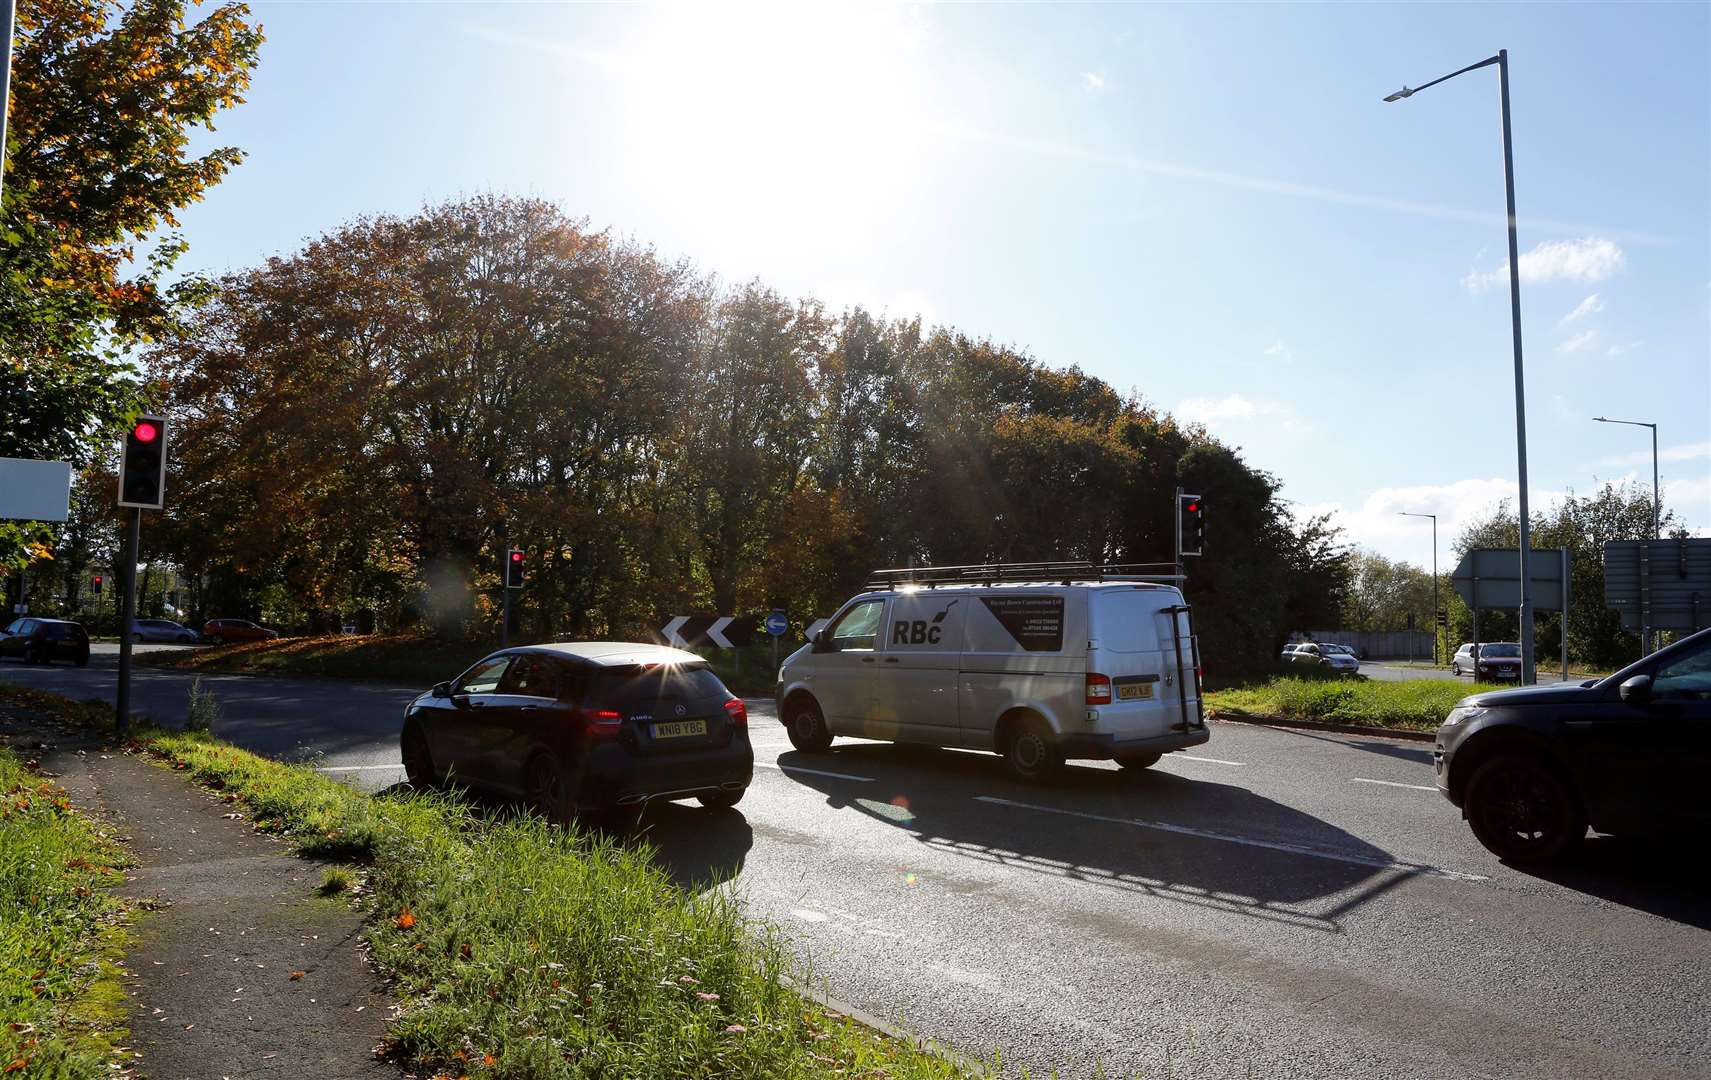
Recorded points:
(777, 624)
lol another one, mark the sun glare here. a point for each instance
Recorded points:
(793, 123)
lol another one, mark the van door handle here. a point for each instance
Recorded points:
(890, 659)
(867, 659)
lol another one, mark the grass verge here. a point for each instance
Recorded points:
(1415, 705)
(62, 931)
(525, 950)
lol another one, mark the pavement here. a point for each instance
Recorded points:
(1277, 903)
(237, 969)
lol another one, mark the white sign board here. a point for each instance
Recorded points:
(33, 490)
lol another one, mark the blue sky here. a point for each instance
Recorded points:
(1208, 204)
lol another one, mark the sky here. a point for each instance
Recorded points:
(1208, 205)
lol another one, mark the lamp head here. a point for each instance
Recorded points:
(1400, 94)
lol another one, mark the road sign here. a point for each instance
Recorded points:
(777, 623)
(1491, 578)
(1664, 584)
(34, 490)
(719, 631)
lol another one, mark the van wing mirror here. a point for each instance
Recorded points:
(1637, 690)
(822, 642)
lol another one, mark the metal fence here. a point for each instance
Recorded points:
(1376, 644)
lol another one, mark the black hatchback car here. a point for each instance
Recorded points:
(42, 641)
(1532, 768)
(597, 729)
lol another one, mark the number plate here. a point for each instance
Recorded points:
(1135, 692)
(680, 727)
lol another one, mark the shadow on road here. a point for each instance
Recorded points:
(1663, 875)
(1418, 753)
(1194, 842)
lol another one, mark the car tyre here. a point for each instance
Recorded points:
(544, 787)
(1523, 811)
(1455, 670)
(418, 759)
(724, 800)
(807, 727)
(217, 639)
(1031, 754)
(1137, 762)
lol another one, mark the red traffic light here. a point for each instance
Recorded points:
(97, 579)
(1193, 508)
(516, 556)
(146, 431)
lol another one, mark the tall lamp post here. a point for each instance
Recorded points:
(1434, 517)
(1526, 610)
(1657, 504)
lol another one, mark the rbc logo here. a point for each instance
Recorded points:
(920, 631)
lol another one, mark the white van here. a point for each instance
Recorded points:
(1093, 664)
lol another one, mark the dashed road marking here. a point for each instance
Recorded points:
(816, 772)
(1207, 760)
(1392, 783)
(1247, 841)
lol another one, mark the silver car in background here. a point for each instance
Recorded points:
(1338, 658)
(163, 630)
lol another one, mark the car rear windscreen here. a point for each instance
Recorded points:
(64, 632)
(639, 689)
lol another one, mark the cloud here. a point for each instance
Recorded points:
(1623, 350)
(1578, 342)
(1092, 82)
(1589, 306)
(1378, 525)
(1277, 348)
(1591, 258)
(1234, 407)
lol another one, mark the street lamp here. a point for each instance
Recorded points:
(1657, 504)
(1526, 610)
(1409, 513)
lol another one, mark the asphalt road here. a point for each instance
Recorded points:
(1383, 672)
(1276, 904)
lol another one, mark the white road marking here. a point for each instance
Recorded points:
(1248, 841)
(816, 772)
(358, 768)
(1208, 760)
(1392, 783)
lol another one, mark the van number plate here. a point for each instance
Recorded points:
(1135, 692)
(680, 727)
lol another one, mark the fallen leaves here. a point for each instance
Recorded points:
(406, 919)
(295, 975)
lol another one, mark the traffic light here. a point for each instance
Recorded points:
(514, 569)
(97, 584)
(1192, 510)
(142, 467)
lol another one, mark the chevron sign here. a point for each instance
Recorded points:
(719, 631)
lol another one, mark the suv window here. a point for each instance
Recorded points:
(1685, 678)
(531, 676)
(859, 626)
(483, 678)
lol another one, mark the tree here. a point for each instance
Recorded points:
(104, 99)
(1386, 595)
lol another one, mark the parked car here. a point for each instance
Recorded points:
(1076, 663)
(1532, 768)
(586, 728)
(222, 631)
(42, 641)
(1334, 658)
(1494, 661)
(161, 630)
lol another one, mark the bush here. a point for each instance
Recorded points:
(1419, 704)
(203, 709)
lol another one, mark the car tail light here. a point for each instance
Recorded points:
(1098, 689)
(738, 712)
(603, 723)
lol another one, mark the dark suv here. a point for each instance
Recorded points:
(1531, 768)
(589, 728)
(42, 641)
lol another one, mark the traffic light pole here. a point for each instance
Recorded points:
(1181, 570)
(505, 618)
(128, 582)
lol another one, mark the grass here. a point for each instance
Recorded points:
(62, 1005)
(526, 950)
(1415, 705)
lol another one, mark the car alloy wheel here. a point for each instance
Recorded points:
(418, 761)
(543, 787)
(1522, 810)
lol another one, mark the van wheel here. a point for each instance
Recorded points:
(807, 728)
(1031, 755)
(1137, 762)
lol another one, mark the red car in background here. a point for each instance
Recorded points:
(221, 631)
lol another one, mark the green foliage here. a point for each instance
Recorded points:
(203, 710)
(1383, 593)
(1416, 705)
(526, 950)
(402, 658)
(61, 1003)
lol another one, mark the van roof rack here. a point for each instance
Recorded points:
(995, 573)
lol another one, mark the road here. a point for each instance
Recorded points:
(1394, 672)
(1276, 904)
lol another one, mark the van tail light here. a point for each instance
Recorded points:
(738, 712)
(602, 723)
(1098, 689)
